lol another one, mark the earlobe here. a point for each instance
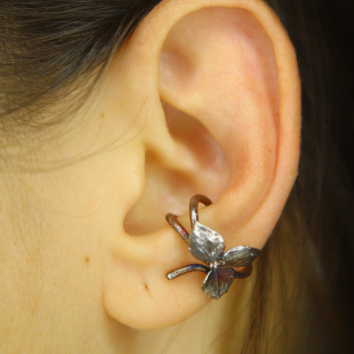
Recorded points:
(226, 71)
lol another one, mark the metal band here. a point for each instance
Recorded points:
(245, 274)
(172, 220)
(193, 207)
(187, 269)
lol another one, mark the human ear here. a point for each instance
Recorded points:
(220, 86)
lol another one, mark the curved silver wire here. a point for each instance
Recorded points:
(187, 269)
(172, 220)
(193, 207)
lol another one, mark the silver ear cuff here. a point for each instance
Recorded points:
(208, 246)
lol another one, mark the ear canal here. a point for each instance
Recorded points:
(199, 162)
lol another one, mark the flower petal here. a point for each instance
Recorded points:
(240, 256)
(217, 282)
(205, 244)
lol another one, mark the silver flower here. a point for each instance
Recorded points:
(208, 246)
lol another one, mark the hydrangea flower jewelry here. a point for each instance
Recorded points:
(208, 246)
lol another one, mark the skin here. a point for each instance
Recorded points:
(183, 108)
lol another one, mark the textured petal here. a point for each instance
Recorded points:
(240, 256)
(205, 244)
(217, 282)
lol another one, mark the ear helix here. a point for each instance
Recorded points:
(208, 246)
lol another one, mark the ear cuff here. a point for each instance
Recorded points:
(208, 246)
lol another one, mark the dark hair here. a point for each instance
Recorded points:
(47, 47)
(301, 302)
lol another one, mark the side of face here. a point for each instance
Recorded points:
(203, 98)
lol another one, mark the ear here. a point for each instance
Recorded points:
(219, 84)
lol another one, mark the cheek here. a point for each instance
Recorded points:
(72, 207)
(65, 215)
